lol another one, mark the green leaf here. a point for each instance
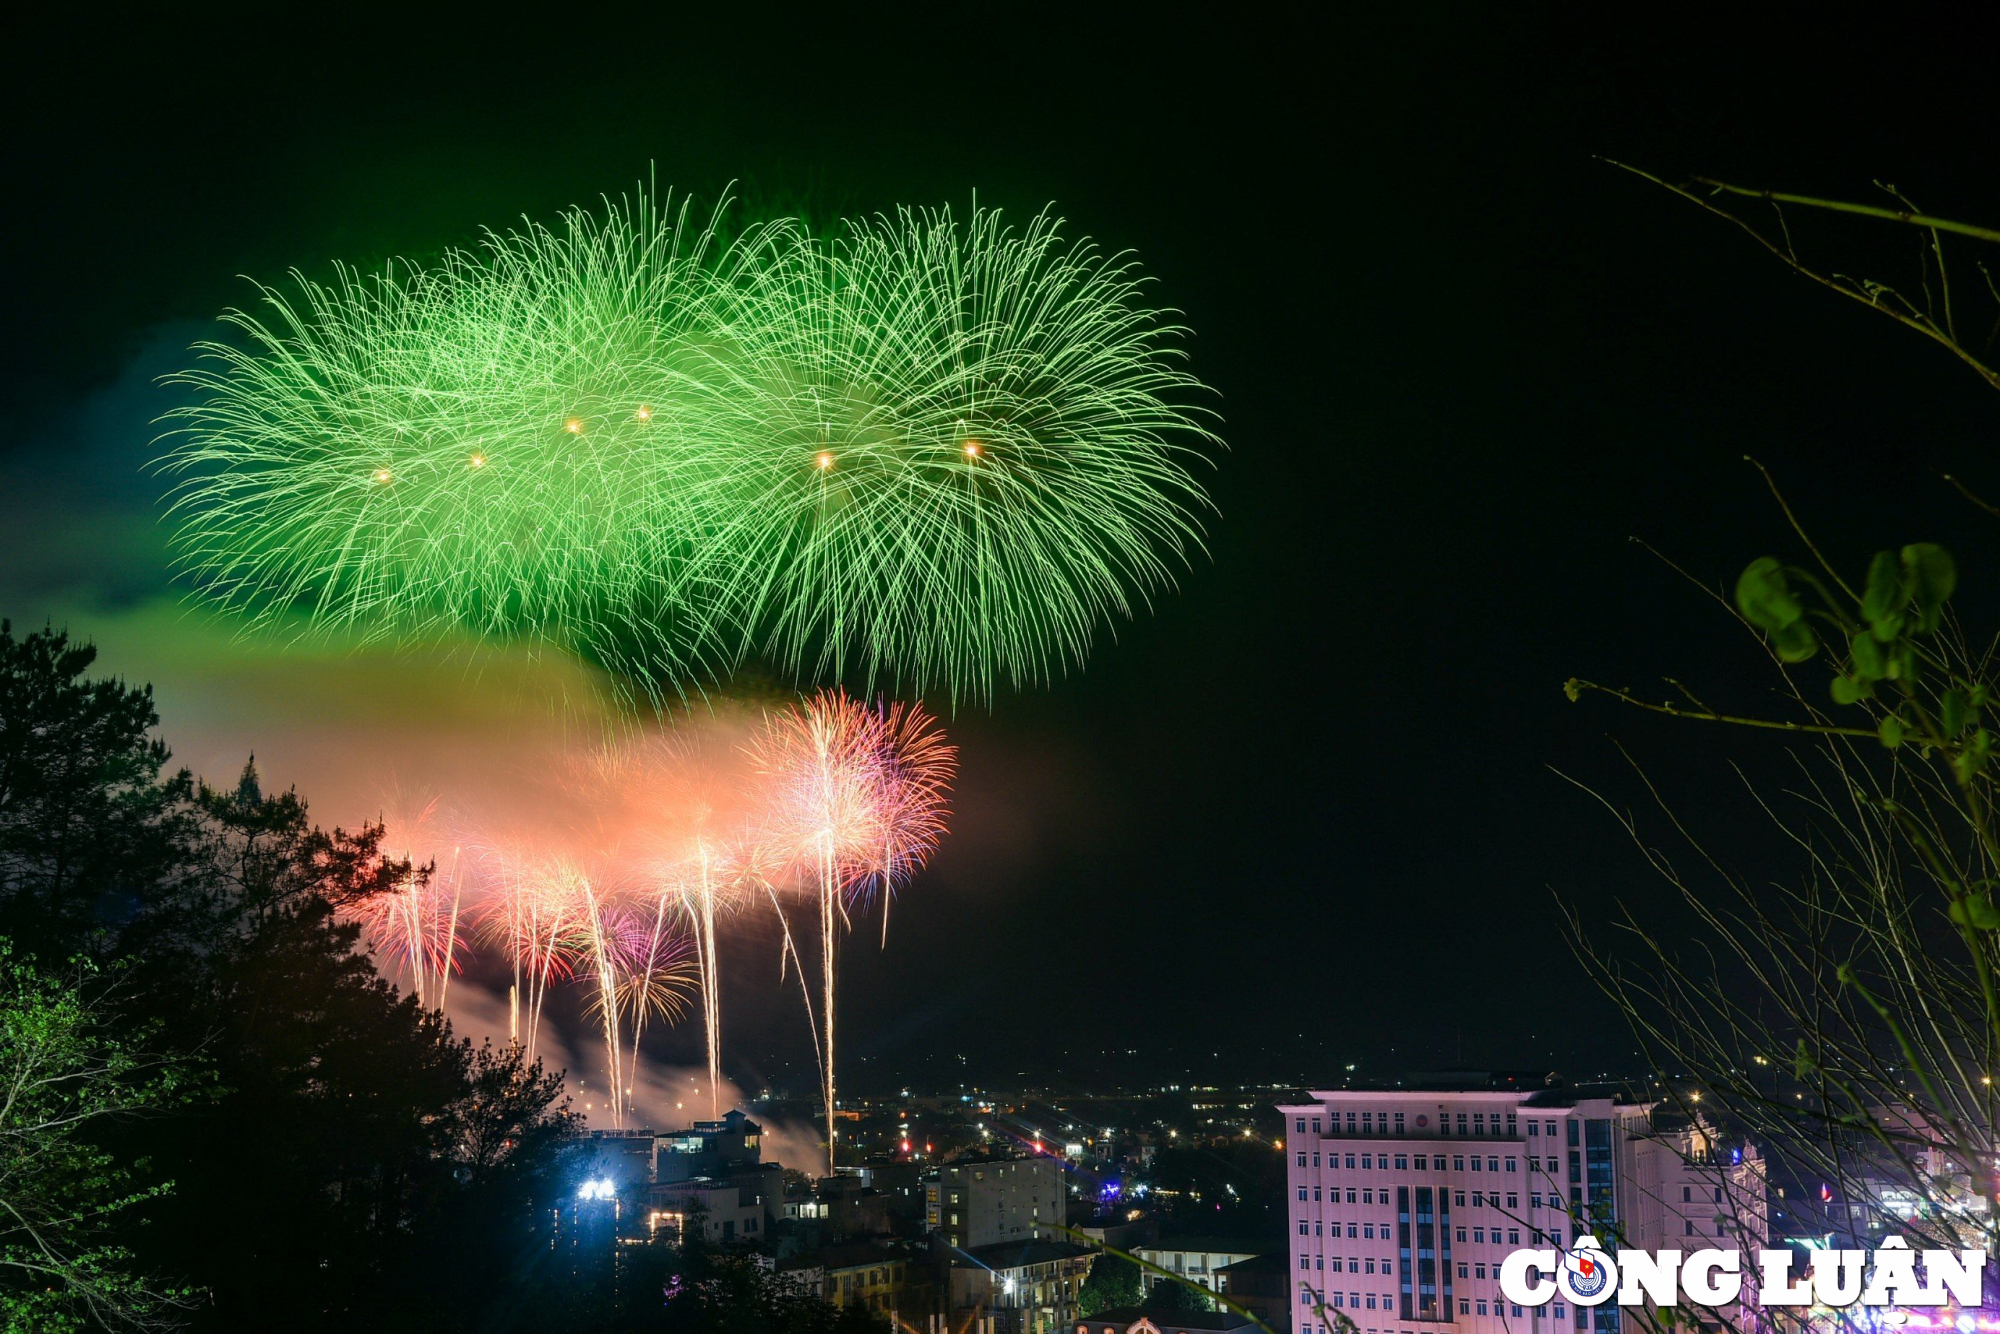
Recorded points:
(1892, 731)
(1977, 911)
(1971, 760)
(1765, 597)
(1955, 712)
(1796, 642)
(1574, 689)
(1884, 597)
(1851, 689)
(1932, 578)
(1869, 661)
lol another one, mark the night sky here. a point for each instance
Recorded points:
(1308, 813)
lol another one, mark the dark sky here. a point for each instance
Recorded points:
(1305, 815)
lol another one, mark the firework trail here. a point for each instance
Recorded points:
(941, 452)
(530, 912)
(854, 798)
(416, 924)
(695, 826)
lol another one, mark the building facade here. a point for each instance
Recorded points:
(986, 1201)
(1020, 1287)
(1195, 1259)
(1403, 1204)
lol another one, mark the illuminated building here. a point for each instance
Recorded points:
(1027, 1287)
(737, 1208)
(708, 1149)
(1403, 1203)
(1197, 1259)
(978, 1202)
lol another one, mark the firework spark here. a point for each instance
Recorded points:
(416, 924)
(855, 799)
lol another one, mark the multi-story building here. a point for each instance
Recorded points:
(1020, 1287)
(708, 1149)
(1195, 1259)
(1404, 1203)
(1261, 1285)
(736, 1208)
(887, 1280)
(989, 1200)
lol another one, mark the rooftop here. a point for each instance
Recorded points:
(1124, 1316)
(1017, 1254)
(1212, 1245)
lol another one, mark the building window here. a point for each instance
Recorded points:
(1458, 1163)
(1402, 1159)
(1513, 1200)
(1302, 1227)
(1534, 1129)
(1299, 1126)
(1305, 1261)
(1302, 1194)
(1458, 1198)
(1315, 1157)
(1302, 1158)
(1421, 1163)
(1511, 1164)
(1350, 1194)
(1513, 1236)
(1350, 1162)
(1461, 1234)
(1464, 1306)
(1461, 1270)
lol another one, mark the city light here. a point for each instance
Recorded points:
(598, 1188)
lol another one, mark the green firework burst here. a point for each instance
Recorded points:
(938, 454)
